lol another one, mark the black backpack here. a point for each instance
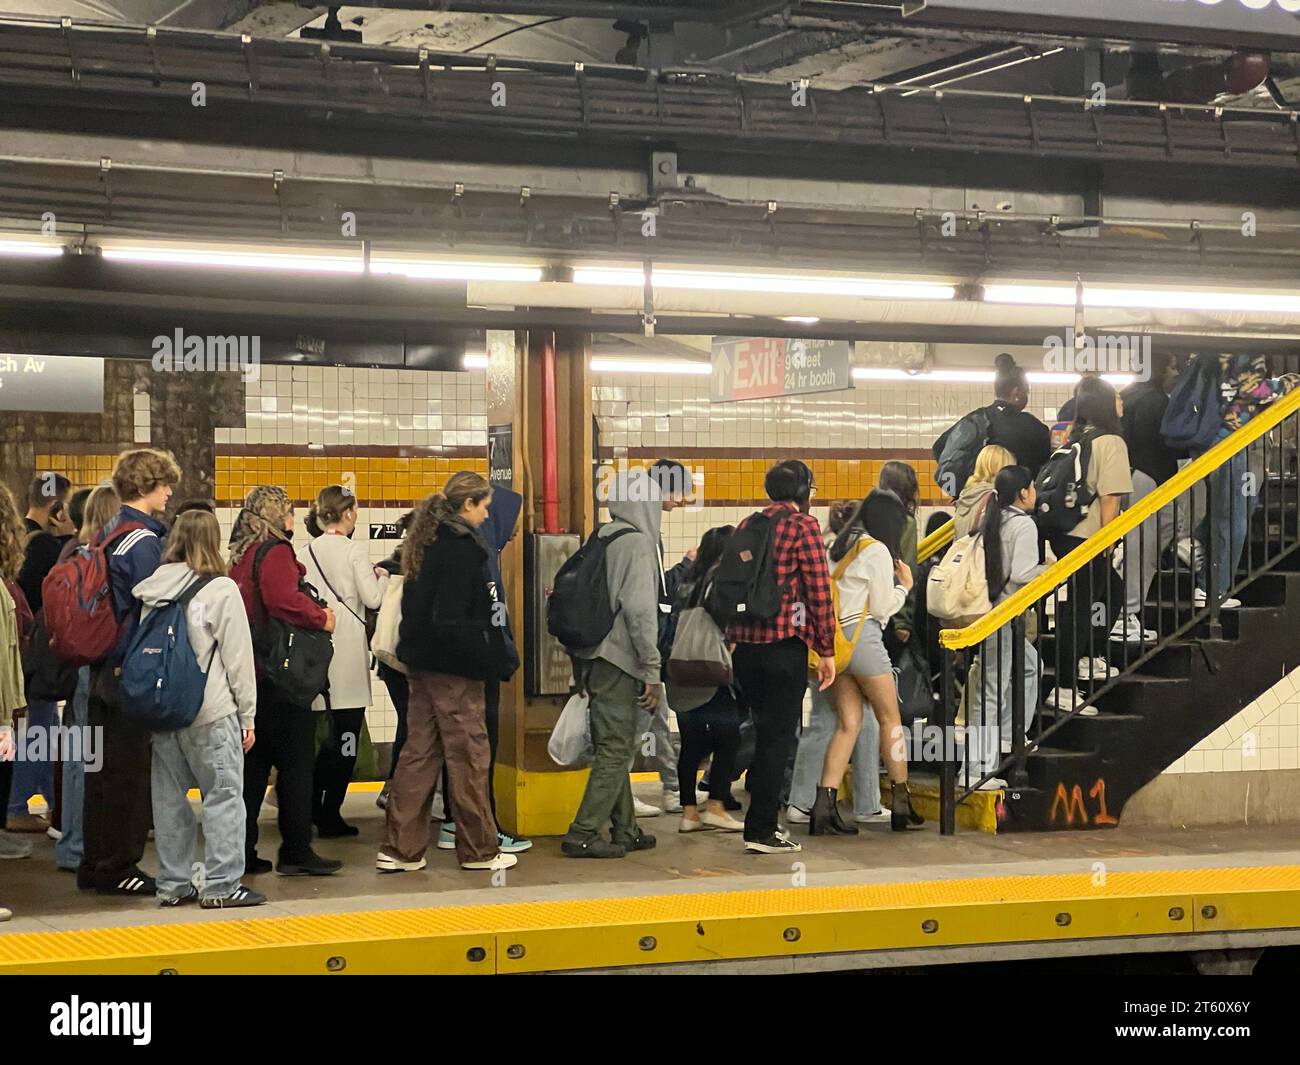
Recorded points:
(293, 660)
(956, 451)
(744, 585)
(47, 677)
(578, 611)
(1064, 498)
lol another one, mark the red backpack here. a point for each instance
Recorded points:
(78, 603)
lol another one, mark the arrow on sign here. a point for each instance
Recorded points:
(721, 375)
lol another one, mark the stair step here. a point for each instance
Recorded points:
(1047, 764)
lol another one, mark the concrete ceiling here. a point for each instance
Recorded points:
(830, 56)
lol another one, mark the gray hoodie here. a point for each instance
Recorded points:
(969, 508)
(635, 578)
(216, 615)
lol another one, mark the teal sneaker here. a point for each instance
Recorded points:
(447, 836)
(513, 844)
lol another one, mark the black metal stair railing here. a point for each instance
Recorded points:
(1165, 571)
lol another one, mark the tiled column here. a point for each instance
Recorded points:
(534, 796)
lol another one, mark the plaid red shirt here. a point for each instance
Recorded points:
(804, 576)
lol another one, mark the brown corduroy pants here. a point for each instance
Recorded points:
(445, 720)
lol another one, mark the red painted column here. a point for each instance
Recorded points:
(550, 443)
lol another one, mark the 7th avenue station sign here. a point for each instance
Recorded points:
(764, 367)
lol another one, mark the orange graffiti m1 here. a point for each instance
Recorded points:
(1071, 804)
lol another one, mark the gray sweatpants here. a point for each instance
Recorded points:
(1145, 544)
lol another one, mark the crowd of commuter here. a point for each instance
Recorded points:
(208, 666)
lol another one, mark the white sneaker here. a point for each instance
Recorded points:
(872, 819)
(1129, 629)
(6, 915)
(796, 816)
(1095, 669)
(672, 802)
(992, 784)
(1065, 699)
(688, 825)
(644, 809)
(386, 863)
(1190, 553)
(54, 833)
(501, 860)
(1199, 599)
(723, 821)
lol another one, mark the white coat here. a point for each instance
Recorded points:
(348, 567)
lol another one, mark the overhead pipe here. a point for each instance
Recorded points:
(550, 441)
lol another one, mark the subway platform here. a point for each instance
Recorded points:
(695, 903)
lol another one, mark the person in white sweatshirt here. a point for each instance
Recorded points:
(1010, 561)
(872, 584)
(340, 569)
(209, 754)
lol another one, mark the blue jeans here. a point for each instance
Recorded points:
(988, 726)
(211, 758)
(76, 714)
(1233, 509)
(32, 776)
(816, 737)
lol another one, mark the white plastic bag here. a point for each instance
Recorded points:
(570, 742)
(383, 644)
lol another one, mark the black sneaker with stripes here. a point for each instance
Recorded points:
(241, 896)
(131, 883)
(190, 894)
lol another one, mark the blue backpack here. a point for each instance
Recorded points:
(162, 683)
(1192, 420)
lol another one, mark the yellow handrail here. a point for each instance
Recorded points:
(1056, 574)
(934, 543)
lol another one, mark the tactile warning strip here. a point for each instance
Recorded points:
(595, 933)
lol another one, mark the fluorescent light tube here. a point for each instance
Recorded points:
(804, 284)
(475, 360)
(1145, 298)
(29, 247)
(651, 366)
(977, 377)
(454, 271)
(233, 258)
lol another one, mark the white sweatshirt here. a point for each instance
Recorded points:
(867, 585)
(216, 615)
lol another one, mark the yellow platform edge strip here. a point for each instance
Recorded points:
(683, 928)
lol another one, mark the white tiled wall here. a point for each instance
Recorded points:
(644, 410)
(340, 405)
(1264, 735)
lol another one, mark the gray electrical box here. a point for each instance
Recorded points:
(549, 671)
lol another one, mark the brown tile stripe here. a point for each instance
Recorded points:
(775, 454)
(363, 451)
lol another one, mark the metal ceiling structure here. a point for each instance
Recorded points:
(152, 69)
(514, 153)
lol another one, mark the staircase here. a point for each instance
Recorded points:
(1077, 771)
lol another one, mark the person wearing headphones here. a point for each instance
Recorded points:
(771, 656)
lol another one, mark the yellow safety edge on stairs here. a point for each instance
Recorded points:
(684, 928)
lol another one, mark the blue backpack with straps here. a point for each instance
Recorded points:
(162, 682)
(1193, 419)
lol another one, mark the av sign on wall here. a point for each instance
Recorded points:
(69, 383)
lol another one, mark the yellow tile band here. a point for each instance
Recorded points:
(690, 927)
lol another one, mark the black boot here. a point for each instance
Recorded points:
(825, 820)
(837, 822)
(901, 815)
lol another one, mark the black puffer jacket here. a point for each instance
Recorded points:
(447, 623)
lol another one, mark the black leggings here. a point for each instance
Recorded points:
(711, 729)
(335, 762)
(492, 713)
(1096, 594)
